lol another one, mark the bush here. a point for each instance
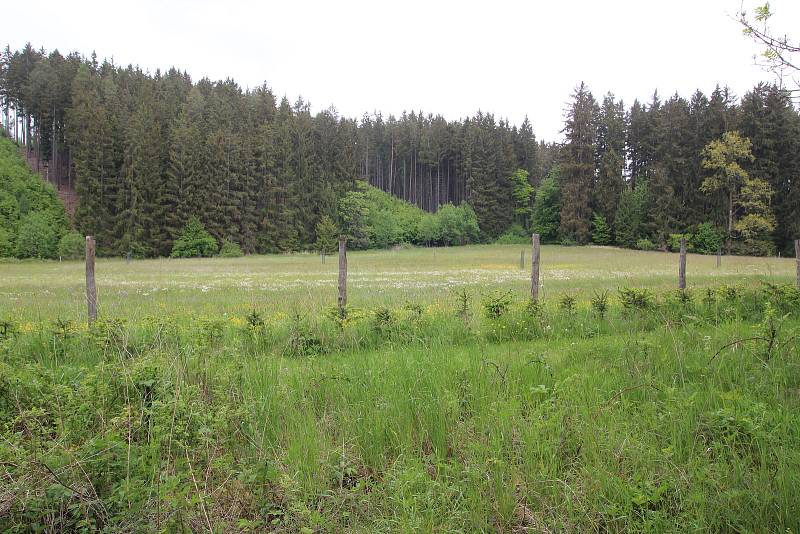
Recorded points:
(458, 225)
(674, 242)
(515, 235)
(230, 249)
(636, 299)
(428, 230)
(72, 246)
(645, 244)
(707, 239)
(194, 242)
(37, 237)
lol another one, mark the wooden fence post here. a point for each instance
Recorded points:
(719, 257)
(682, 266)
(535, 267)
(797, 254)
(342, 273)
(91, 288)
(522, 259)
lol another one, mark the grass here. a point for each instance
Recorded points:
(46, 291)
(646, 411)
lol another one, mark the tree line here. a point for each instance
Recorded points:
(675, 166)
(146, 152)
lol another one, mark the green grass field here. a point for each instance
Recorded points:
(287, 283)
(223, 395)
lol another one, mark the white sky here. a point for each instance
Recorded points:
(453, 58)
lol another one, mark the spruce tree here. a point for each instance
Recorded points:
(578, 166)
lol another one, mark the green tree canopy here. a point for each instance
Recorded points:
(545, 217)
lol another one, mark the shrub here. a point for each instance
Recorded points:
(674, 242)
(515, 235)
(458, 225)
(645, 244)
(707, 239)
(600, 303)
(568, 303)
(230, 249)
(37, 237)
(496, 304)
(636, 299)
(72, 246)
(194, 242)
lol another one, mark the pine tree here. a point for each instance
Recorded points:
(327, 235)
(610, 153)
(84, 128)
(631, 213)
(601, 232)
(578, 166)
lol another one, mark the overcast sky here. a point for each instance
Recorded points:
(509, 58)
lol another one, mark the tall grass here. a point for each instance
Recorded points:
(665, 412)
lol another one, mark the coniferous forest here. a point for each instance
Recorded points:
(138, 155)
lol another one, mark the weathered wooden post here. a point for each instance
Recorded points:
(682, 266)
(91, 288)
(342, 273)
(522, 259)
(719, 257)
(535, 268)
(797, 254)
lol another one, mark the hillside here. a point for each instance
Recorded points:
(32, 217)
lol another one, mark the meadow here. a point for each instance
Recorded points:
(228, 395)
(49, 290)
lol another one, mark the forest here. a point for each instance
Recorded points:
(138, 155)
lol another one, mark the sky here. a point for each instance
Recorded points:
(512, 59)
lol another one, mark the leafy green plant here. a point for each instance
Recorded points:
(707, 239)
(72, 246)
(230, 249)
(37, 237)
(645, 244)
